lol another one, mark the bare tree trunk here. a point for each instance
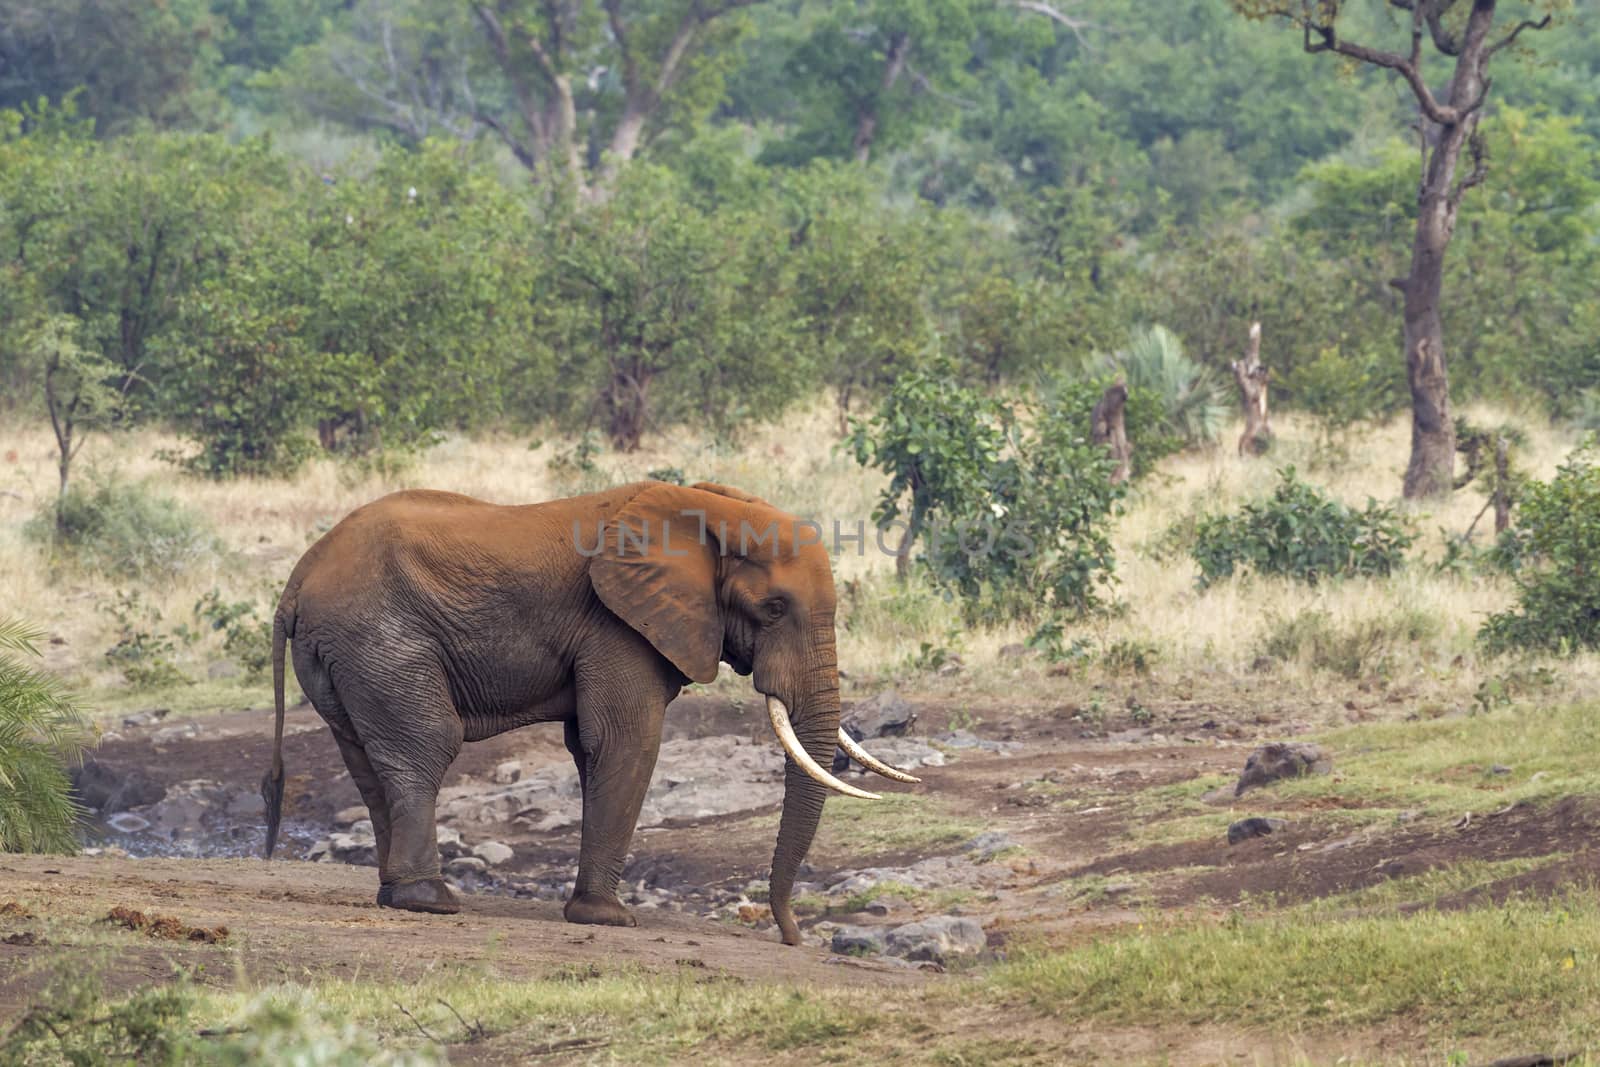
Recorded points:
(1252, 378)
(1502, 484)
(1446, 125)
(867, 121)
(1107, 427)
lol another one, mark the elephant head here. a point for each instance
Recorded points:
(710, 574)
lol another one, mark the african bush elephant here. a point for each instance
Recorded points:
(426, 619)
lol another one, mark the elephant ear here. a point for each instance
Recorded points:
(657, 573)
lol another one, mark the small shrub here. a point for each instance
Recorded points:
(40, 730)
(1558, 545)
(1303, 534)
(247, 637)
(1366, 647)
(1050, 641)
(1128, 656)
(126, 531)
(670, 475)
(143, 653)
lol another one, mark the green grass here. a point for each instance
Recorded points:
(851, 830)
(640, 1017)
(924, 899)
(1521, 970)
(1426, 887)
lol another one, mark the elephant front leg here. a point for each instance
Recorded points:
(617, 752)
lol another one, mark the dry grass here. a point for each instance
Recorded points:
(1200, 641)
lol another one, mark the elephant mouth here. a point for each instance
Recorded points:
(779, 716)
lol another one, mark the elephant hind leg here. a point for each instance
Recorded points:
(410, 747)
(371, 787)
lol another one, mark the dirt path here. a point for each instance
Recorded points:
(1072, 804)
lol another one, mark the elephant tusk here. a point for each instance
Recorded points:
(791, 744)
(871, 762)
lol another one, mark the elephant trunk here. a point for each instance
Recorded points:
(816, 727)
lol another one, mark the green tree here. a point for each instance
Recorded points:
(40, 730)
(131, 61)
(937, 439)
(666, 312)
(571, 87)
(80, 394)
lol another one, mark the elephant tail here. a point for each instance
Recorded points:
(272, 781)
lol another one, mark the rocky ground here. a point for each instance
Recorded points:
(1037, 827)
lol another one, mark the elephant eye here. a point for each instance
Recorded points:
(775, 608)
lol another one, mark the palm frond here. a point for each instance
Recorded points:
(41, 730)
(1193, 395)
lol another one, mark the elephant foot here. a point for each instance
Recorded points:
(591, 909)
(430, 895)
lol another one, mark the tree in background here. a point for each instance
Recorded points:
(129, 61)
(80, 394)
(1448, 127)
(40, 731)
(571, 88)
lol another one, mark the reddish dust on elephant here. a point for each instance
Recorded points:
(428, 619)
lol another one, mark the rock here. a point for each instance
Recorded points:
(694, 779)
(222, 670)
(967, 739)
(110, 787)
(182, 810)
(466, 865)
(1499, 768)
(904, 753)
(359, 849)
(493, 853)
(126, 822)
(352, 814)
(245, 805)
(989, 844)
(1280, 760)
(450, 843)
(858, 941)
(168, 734)
(320, 852)
(1245, 829)
(145, 718)
(885, 904)
(936, 939)
(885, 715)
(507, 772)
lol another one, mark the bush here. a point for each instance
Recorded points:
(1010, 512)
(1364, 648)
(1301, 533)
(126, 530)
(1558, 545)
(40, 729)
(1145, 417)
(144, 653)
